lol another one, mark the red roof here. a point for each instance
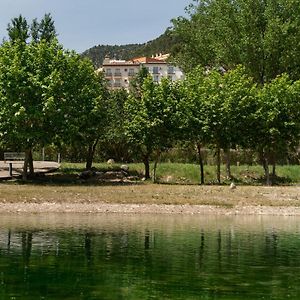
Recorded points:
(147, 60)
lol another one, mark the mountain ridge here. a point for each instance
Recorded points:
(163, 44)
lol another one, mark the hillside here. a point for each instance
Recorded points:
(162, 44)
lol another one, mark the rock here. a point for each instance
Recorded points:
(111, 161)
(99, 174)
(232, 186)
(87, 174)
(133, 178)
(125, 168)
(113, 175)
(169, 179)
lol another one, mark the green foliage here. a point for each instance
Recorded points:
(49, 95)
(278, 117)
(260, 35)
(188, 173)
(149, 116)
(25, 75)
(114, 143)
(20, 30)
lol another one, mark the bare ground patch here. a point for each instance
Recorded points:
(151, 198)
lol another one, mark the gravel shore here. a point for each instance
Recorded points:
(150, 199)
(20, 208)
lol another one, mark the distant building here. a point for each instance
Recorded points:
(119, 72)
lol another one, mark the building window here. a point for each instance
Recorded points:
(117, 72)
(131, 72)
(171, 70)
(170, 77)
(117, 83)
(156, 78)
(155, 70)
(108, 72)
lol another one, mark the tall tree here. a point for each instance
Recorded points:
(25, 72)
(115, 144)
(47, 29)
(278, 121)
(48, 94)
(82, 111)
(18, 29)
(149, 118)
(261, 35)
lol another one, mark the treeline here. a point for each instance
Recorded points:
(52, 97)
(48, 95)
(221, 111)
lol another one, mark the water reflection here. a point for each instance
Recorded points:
(63, 256)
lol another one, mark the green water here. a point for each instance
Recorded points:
(149, 257)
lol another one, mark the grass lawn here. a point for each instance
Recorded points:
(189, 173)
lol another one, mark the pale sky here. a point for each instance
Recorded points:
(82, 24)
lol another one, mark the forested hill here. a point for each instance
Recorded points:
(162, 44)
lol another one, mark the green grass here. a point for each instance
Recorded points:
(189, 173)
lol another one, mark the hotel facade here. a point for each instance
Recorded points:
(119, 73)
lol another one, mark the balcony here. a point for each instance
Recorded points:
(117, 84)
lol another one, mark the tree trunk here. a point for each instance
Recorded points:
(155, 166)
(266, 169)
(90, 155)
(30, 163)
(25, 166)
(200, 163)
(218, 164)
(227, 158)
(273, 170)
(147, 166)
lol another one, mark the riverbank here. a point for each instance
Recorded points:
(150, 199)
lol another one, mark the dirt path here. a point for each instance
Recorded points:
(39, 166)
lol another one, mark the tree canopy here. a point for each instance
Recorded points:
(261, 35)
(47, 94)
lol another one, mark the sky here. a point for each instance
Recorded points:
(82, 24)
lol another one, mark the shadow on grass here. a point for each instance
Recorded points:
(71, 177)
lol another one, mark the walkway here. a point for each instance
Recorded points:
(39, 167)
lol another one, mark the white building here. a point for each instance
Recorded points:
(120, 72)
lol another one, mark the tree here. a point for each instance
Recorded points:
(81, 100)
(47, 29)
(115, 144)
(18, 29)
(193, 112)
(260, 35)
(47, 94)
(278, 121)
(137, 82)
(219, 109)
(149, 119)
(24, 75)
